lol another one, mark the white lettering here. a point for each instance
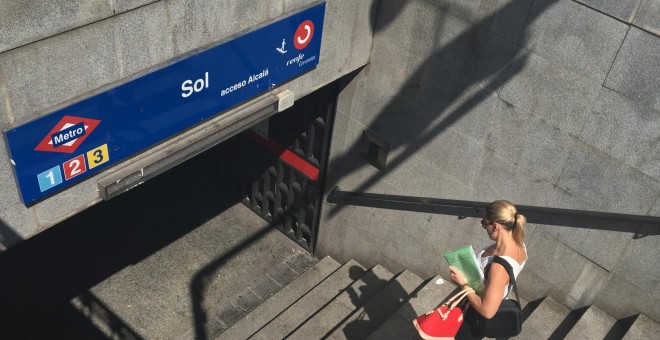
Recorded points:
(58, 139)
(295, 60)
(233, 88)
(258, 76)
(197, 86)
(186, 87)
(312, 58)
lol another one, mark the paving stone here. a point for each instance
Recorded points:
(16, 222)
(611, 185)
(144, 38)
(620, 9)
(625, 130)
(127, 5)
(575, 36)
(648, 16)
(399, 73)
(636, 70)
(55, 70)
(199, 23)
(503, 17)
(23, 22)
(552, 92)
(471, 51)
(406, 23)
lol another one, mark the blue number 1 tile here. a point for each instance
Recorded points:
(49, 178)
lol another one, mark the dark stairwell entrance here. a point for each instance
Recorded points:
(155, 262)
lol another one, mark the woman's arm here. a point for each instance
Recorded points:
(496, 284)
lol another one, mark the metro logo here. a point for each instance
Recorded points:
(67, 134)
(71, 132)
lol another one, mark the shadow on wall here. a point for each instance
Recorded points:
(424, 108)
(46, 279)
(8, 237)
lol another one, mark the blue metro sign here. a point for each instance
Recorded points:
(60, 149)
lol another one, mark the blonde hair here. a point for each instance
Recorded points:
(505, 213)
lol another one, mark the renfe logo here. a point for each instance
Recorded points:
(303, 34)
(67, 134)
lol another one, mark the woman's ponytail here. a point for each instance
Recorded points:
(505, 213)
(518, 229)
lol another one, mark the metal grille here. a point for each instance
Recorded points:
(279, 193)
(285, 197)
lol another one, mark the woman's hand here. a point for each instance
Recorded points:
(456, 276)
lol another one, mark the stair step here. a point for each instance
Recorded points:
(643, 328)
(545, 321)
(593, 324)
(399, 325)
(310, 303)
(231, 310)
(346, 303)
(280, 301)
(382, 306)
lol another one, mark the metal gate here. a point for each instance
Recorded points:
(285, 169)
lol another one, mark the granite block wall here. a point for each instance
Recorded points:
(550, 103)
(53, 54)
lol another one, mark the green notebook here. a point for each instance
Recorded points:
(465, 260)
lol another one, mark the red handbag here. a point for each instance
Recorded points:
(444, 321)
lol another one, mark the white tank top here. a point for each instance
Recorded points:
(517, 267)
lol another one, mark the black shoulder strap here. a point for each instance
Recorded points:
(512, 278)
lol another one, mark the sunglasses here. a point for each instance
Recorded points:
(485, 223)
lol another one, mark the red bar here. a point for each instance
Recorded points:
(297, 162)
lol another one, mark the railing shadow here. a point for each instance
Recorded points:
(420, 120)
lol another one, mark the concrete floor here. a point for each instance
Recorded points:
(144, 265)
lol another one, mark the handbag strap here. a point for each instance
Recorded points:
(509, 270)
(454, 300)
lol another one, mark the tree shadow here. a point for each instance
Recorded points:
(437, 94)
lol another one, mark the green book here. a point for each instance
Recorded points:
(465, 260)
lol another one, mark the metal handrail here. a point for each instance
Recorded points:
(533, 214)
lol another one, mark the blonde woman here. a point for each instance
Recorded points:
(506, 226)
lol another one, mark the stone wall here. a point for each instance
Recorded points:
(53, 54)
(551, 103)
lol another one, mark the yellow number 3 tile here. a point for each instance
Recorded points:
(98, 156)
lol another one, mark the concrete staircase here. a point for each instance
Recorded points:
(334, 301)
